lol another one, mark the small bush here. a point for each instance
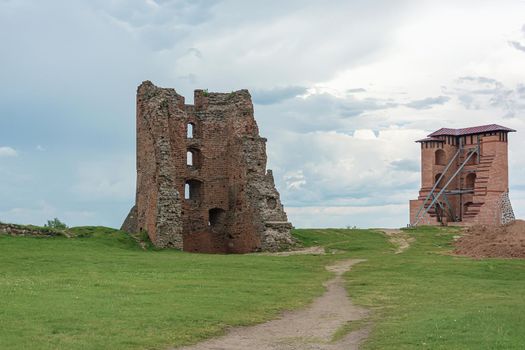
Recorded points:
(56, 224)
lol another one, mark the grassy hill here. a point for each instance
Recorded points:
(100, 290)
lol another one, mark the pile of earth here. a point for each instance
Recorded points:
(507, 241)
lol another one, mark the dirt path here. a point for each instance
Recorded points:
(398, 238)
(308, 329)
(305, 251)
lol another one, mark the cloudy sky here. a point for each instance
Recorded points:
(341, 90)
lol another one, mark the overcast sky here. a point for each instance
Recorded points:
(341, 90)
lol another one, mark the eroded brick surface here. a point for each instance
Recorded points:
(202, 183)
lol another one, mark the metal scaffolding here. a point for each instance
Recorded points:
(443, 207)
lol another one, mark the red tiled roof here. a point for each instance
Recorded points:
(428, 139)
(470, 131)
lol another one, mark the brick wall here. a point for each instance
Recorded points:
(483, 181)
(233, 205)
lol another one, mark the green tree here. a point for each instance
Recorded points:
(56, 223)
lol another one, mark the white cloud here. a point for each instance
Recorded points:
(382, 216)
(36, 214)
(332, 168)
(375, 81)
(364, 134)
(8, 152)
(257, 46)
(42, 211)
(105, 179)
(294, 180)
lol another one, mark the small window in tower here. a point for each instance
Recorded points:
(193, 158)
(187, 191)
(441, 157)
(192, 190)
(190, 130)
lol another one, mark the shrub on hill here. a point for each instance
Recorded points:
(56, 224)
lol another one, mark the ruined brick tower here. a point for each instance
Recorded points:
(464, 177)
(202, 183)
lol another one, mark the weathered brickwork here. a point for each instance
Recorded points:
(476, 193)
(202, 183)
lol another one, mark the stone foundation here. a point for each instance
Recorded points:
(22, 230)
(506, 211)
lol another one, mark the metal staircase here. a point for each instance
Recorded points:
(439, 204)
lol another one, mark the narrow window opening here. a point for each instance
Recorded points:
(187, 191)
(190, 130)
(192, 190)
(193, 158)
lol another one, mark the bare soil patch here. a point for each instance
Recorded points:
(307, 329)
(316, 250)
(506, 241)
(398, 238)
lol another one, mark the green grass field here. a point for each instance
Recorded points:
(101, 291)
(425, 298)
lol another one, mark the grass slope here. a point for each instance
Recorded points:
(100, 291)
(425, 298)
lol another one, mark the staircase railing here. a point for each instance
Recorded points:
(435, 198)
(436, 185)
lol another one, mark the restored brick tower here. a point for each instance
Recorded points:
(202, 183)
(464, 177)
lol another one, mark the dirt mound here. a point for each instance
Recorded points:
(506, 241)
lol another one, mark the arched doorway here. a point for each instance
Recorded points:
(216, 219)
